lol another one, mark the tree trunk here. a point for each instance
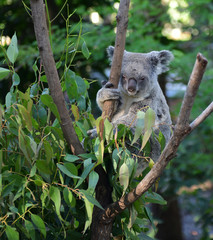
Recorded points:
(171, 226)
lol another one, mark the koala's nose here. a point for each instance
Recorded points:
(132, 84)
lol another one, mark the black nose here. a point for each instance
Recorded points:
(132, 84)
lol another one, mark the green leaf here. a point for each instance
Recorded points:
(88, 165)
(39, 224)
(71, 85)
(4, 73)
(139, 126)
(154, 198)
(108, 129)
(66, 171)
(99, 150)
(24, 144)
(33, 171)
(72, 169)
(71, 158)
(26, 116)
(124, 176)
(48, 101)
(93, 180)
(12, 51)
(7, 189)
(11, 233)
(16, 79)
(149, 122)
(30, 229)
(75, 112)
(132, 217)
(82, 88)
(55, 196)
(90, 198)
(161, 140)
(85, 50)
(68, 197)
(43, 166)
(89, 210)
(149, 216)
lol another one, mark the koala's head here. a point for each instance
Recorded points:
(140, 70)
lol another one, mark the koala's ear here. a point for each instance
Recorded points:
(110, 52)
(161, 60)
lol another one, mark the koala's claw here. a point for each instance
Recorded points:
(92, 133)
(109, 85)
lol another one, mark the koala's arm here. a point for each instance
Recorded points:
(107, 93)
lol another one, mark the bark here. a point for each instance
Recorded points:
(42, 37)
(122, 23)
(171, 227)
(101, 230)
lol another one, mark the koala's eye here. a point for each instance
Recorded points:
(142, 78)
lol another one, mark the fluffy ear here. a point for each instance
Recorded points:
(110, 52)
(160, 60)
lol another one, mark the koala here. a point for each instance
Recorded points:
(138, 89)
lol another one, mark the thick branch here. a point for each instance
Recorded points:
(41, 32)
(182, 129)
(122, 23)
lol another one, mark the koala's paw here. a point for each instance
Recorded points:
(105, 94)
(92, 133)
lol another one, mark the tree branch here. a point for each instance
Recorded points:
(41, 32)
(191, 91)
(201, 117)
(122, 23)
(182, 129)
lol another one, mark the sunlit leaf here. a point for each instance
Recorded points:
(139, 126)
(12, 51)
(124, 176)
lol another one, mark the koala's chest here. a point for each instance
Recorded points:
(126, 103)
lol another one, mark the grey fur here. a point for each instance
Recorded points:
(141, 71)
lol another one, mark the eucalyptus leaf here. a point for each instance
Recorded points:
(85, 50)
(4, 73)
(39, 223)
(12, 51)
(11, 233)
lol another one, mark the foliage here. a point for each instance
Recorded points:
(46, 191)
